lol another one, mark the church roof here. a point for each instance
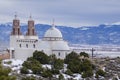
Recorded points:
(53, 32)
(60, 45)
(54, 45)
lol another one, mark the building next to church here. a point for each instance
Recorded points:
(23, 46)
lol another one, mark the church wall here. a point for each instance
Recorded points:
(45, 47)
(23, 43)
(23, 46)
(31, 37)
(60, 54)
(23, 54)
(12, 41)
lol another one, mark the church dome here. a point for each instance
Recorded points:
(53, 32)
(60, 45)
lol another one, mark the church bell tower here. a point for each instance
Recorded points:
(31, 28)
(16, 26)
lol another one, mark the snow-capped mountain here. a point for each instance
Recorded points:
(102, 34)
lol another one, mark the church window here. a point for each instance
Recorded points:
(13, 30)
(18, 31)
(33, 45)
(28, 31)
(20, 45)
(13, 55)
(59, 54)
(27, 45)
(32, 31)
(42, 50)
(65, 54)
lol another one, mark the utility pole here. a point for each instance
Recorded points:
(93, 52)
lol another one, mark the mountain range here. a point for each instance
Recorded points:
(91, 35)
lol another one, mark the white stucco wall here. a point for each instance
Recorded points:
(60, 54)
(23, 47)
(23, 54)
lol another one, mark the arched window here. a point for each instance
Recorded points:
(59, 54)
(28, 31)
(66, 54)
(18, 31)
(13, 31)
(27, 45)
(20, 45)
(33, 45)
(13, 55)
(32, 31)
(42, 50)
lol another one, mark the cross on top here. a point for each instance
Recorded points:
(15, 15)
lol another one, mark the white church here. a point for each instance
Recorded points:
(23, 46)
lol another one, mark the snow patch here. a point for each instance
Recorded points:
(103, 68)
(116, 23)
(84, 28)
(47, 66)
(13, 64)
(77, 76)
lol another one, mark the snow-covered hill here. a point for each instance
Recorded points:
(95, 35)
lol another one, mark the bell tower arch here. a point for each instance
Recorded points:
(16, 26)
(31, 27)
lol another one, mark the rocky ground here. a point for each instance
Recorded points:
(110, 65)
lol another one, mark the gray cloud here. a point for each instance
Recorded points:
(65, 12)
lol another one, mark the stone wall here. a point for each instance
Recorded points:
(5, 56)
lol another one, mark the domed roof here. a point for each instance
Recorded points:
(60, 45)
(53, 32)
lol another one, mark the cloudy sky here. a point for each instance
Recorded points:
(65, 12)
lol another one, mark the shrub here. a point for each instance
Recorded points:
(33, 65)
(47, 74)
(27, 64)
(77, 66)
(87, 74)
(84, 54)
(55, 71)
(28, 78)
(71, 56)
(61, 77)
(52, 58)
(41, 57)
(8, 62)
(58, 64)
(100, 72)
(24, 70)
(10, 78)
(74, 66)
(86, 65)
(68, 71)
(4, 73)
(36, 70)
(114, 78)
